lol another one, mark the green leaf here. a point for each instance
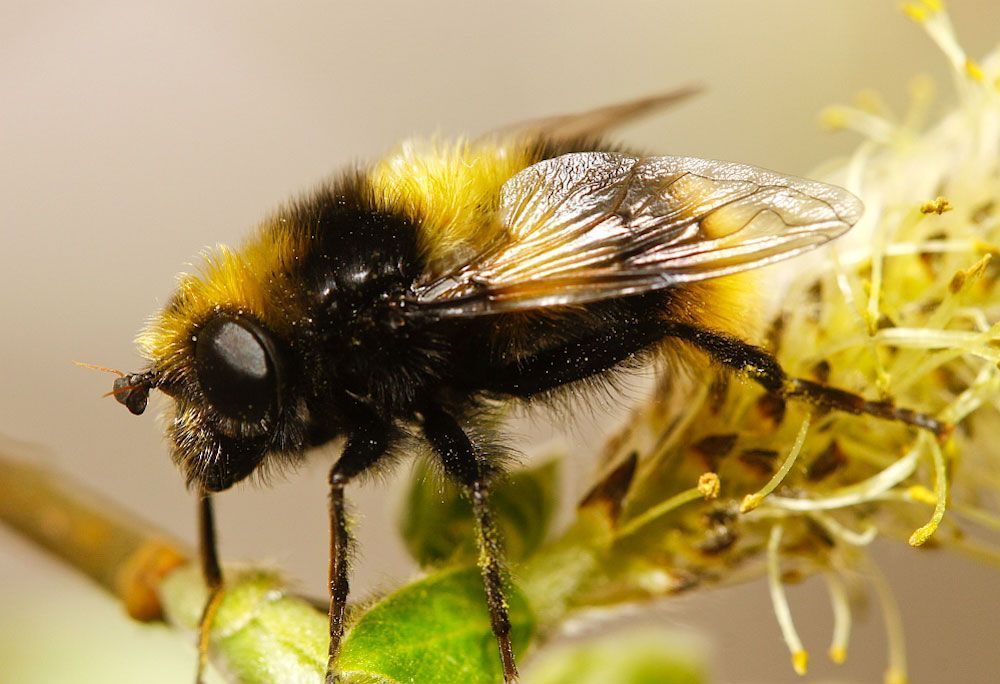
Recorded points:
(637, 658)
(284, 641)
(260, 633)
(437, 524)
(434, 630)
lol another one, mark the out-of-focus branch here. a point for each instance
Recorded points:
(121, 553)
(260, 634)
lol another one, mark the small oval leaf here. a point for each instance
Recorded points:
(434, 630)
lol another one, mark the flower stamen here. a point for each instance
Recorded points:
(800, 657)
(841, 617)
(751, 501)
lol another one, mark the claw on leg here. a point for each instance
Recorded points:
(212, 574)
(205, 629)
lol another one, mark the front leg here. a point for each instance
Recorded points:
(364, 449)
(211, 573)
(471, 471)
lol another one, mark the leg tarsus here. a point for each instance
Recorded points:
(215, 595)
(490, 568)
(212, 575)
(848, 402)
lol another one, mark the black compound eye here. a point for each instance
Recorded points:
(237, 368)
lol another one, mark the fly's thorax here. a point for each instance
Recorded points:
(367, 350)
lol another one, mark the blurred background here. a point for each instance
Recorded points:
(134, 134)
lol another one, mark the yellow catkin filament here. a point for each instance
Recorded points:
(870, 125)
(922, 534)
(846, 289)
(921, 494)
(841, 617)
(800, 657)
(896, 672)
(981, 390)
(751, 501)
(871, 101)
(970, 342)
(866, 490)
(843, 533)
(676, 501)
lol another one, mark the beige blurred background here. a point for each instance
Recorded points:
(133, 134)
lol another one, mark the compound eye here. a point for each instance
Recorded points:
(237, 367)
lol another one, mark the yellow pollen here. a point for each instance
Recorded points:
(800, 661)
(936, 206)
(834, 118)
(708, 485)
(915, 12)
(894, 676)
(922, 494)
(974, 71)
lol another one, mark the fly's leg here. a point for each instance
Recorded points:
(364, 449)
(212, 574)
(469, 469)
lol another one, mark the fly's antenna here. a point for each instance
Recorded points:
(130, 389)
(102, 369)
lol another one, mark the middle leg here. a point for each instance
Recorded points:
(470, 470)
(211, 572)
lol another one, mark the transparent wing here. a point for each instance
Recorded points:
(591, 226)
(596, 122)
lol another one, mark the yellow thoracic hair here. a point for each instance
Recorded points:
(253, 280)
(450, 189)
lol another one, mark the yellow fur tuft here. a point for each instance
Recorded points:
(451, 190)
(731, 305)
(253, 280)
